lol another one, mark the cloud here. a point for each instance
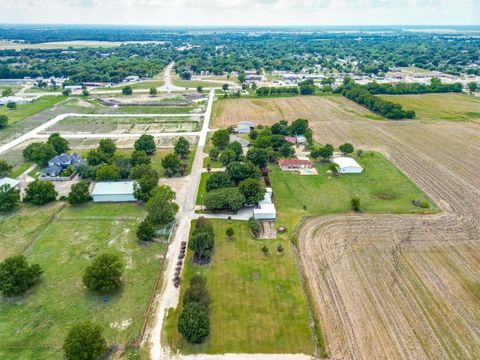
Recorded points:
(242, 12)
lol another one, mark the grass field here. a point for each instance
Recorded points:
(192, 84)
(257, 302)
(135, 86)
(25, 110)
(382, 188)
(63, 242)
(452, 107)
(202, 188)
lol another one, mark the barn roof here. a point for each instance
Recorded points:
(344, 162)
(113, 188)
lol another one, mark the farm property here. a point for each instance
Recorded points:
(63, 240)
(257, 302)
(393, 278)
(381, 188)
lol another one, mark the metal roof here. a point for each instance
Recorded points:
(113, 188)
(9, 181)
(344, 162)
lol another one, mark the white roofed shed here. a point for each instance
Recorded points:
(121, 191)
(347, 165)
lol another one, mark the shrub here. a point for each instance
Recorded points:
(139, 171)
(202, 243)
(17, 276)
(127, 90)
(104, 273)
(254, 226)
(79, 193)
(142, 189)
(197, 292)
(194, 323)
(5, 168)
(40, 192)
(280, 249)
(265, 250)
(182, 147)
(214, 154)
(171, 163)
(59, 144)
(356, 204)
(84, 341)
(140, 157)
(230, 233)
(146, 231)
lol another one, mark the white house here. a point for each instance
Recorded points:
(347, 165)
(121, 191)
(10, 182)
(266, 209)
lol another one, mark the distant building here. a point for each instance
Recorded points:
(10, 182)
(243, 142)
(291, 139)
(121, 191)
(347, 165)
(15, 99)
(60, 162)
(266, 209)
(294, 164)
(131, 78)
(245, 127)
(300, 139)
(73, 87)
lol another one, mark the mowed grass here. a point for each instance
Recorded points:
(192, 84)
(25, 110)
(257, 301)
(382, 188)
(34, 326)
(202, 188)
(452, 107)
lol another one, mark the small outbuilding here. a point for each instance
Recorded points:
(245, 127)
(347, 165)
(266, 209)
(14, 184)
(121, 191)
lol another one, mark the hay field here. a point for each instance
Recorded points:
(393, 286)
(451, 107)
(268, 111)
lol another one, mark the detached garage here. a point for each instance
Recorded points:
(347, 165)
(121, 191)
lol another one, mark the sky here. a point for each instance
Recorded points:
(242, 12)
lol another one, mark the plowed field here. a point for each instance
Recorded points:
(393, 286)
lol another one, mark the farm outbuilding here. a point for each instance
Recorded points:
(245, 127)
(121, 191)
(10, 182)
(266, 209)
(347, 165)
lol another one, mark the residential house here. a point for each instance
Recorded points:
(60, 162)
(294, 164)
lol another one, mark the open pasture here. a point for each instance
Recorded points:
(63, 240)
(257, 302)
(451, 107)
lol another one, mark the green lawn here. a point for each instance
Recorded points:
(451, 107)
(20, 169)
(25, 110)
(214, 164)
(382, 188)
(202, 188)
(64, 242)
(257, 302)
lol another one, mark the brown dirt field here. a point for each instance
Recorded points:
(268, 111)
(392, 286)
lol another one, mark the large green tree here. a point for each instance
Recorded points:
(84, 341)
(229, 199)
(59, 144)
(161, 206)
(5, 168)
(17, 276)
(194, 323)
(218, 180)
(79, 193)
(3, 121)
(239, 171)
(107, 172)
(104, 274)
(182, 147)
(40, 192)
(252, 190)
(258, 157)
(107, 146)
(9, 198)
(146, 143)
(171, 163)
(221, 138)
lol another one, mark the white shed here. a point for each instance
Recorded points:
(347, 165)
(266, 209)
(10, 182)
(121, 191)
